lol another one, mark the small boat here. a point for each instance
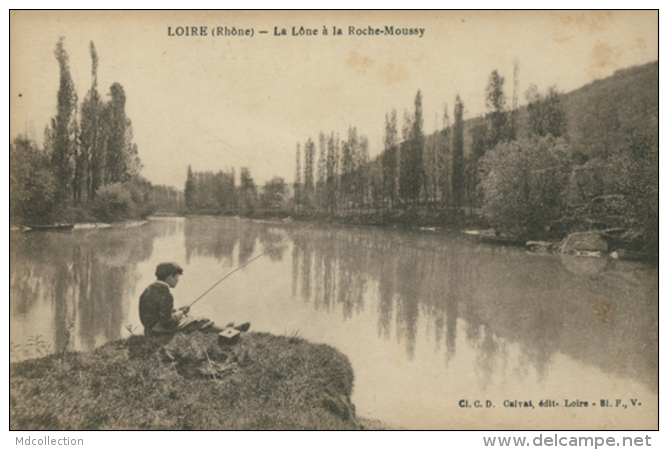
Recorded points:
(53, 227)
(130, 224)
(542, 247)
(489, 232)
(91, 226)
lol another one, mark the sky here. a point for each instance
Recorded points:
(220, 102)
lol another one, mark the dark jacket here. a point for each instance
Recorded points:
(156, 306)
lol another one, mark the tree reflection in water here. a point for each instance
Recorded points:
(74, 281)
(462, 296)
(497, 295)
(218, 238)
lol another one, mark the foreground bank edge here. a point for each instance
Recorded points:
(187, 382)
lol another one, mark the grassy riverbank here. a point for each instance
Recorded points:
(187, 382)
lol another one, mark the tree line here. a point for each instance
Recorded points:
(516, 169)
(528, 171)
(560, 163)
(414, 169)
(88, 168)
(210, 192)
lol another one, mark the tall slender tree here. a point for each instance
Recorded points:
(516, 83)
(90, 160)
(247, 190)
(121, 153)
(443, 158)
(348, 160)
(332, 170)
(63, 151)
(458, 155)
(363, 170)
(322, 171)
(189, 192)
(404, 158)
(496, 105)
(430, 159)
(417, 136)
(389, 159)
(412, 170)
(309, 160)
(298, 177)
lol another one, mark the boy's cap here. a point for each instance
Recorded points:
(166, 269)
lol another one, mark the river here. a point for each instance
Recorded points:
(443, 332)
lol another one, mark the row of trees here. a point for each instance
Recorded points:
(525, 170)
(517, 168)
(414, 169)
(338, 178)
(88, 157)
(216, 192)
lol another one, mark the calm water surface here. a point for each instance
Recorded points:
(427, 320)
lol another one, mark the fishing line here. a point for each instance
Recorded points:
(250, 261)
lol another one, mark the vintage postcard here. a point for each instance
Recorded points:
(406, 220)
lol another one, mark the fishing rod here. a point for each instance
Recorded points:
(250, 261)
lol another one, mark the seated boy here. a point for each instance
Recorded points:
(156, 306)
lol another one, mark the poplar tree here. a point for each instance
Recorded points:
(443, 159)
(298, 177)
(332, 170)
(458, 155)
(189, 192)
(404, 158)
(90, 162)
(363, 170)
(348, 159)
(63, 144)
(516, 82)
(309, 157)
(418, 148)
(412, 170)
(354, 178)
(247, 190)
(495, 101)
(321, 193)
(389, 160)
(122, 163)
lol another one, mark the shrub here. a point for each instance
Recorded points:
(140, 193)
(524, 183)
(32, 185)
(638, 181)
(112, 203)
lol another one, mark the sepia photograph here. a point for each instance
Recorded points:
(333, 220)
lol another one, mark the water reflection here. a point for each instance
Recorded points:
(206, 237)
(80, 281)
(86, 281)
(608, 319)
(212, 237)
(432, 315)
